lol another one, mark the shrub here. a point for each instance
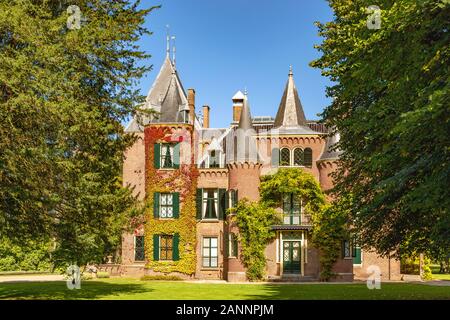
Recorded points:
(102, 274)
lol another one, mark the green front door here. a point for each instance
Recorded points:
(291, 256)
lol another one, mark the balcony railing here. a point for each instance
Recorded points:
(296, 219)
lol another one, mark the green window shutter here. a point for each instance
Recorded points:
(176, 205)
(156, 205)
(175, 250)
(307, 156)
(275, 159)
(357, 258)
(176, 156)
(155, 247)
(343, 249)
(234, 198)
(223, 206)
(226, 244)
(199, 203)
(157, 156)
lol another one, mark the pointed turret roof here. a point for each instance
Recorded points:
(290, 112)
(245, 121)
(329, 152)
(166, 96)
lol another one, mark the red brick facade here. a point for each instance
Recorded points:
(213, 233)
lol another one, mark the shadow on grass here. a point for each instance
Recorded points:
(352, 291)
(57, 290)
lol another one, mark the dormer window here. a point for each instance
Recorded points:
(214, 159)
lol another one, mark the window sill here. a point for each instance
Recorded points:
(210, 220)
(210, 269)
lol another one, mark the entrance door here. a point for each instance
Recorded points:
(291, 256)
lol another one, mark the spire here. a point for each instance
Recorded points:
(245, 122)
(290, 112)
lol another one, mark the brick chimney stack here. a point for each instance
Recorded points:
(238, 102)
(191, 103)
(206, 117)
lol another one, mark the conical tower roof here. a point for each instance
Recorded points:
(290, 112)
(245, 122)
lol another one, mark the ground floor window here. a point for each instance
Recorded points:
(233, 245)
(139, 252)
(210, 252)
(165, 247)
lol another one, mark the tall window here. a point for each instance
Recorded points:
(139, 252)
(298, 157)
(232, 245)
(210, 259)
(347, 249)
(210, 203)
(167, 155)
(165, 247)
(166, 205)
(285, 157)
(291, 209)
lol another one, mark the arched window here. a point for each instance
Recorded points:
(285, 157)
(298, 157)
(307, 155)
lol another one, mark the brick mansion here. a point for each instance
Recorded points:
(190, 174)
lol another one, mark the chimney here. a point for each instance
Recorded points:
(238, 102)
(191, 103)
(206, 117)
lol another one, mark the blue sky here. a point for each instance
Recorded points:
(225, 46)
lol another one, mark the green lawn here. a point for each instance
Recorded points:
(119, 288)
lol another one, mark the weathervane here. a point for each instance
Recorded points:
(168, 40)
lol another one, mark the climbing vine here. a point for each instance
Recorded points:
(182, 180)
(329, 230)
(329, 220)
(254, 221)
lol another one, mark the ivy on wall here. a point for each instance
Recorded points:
(254, 220)
(329, 230)
(182, 180)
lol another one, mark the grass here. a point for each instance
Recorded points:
(437, 275)
(125, 289)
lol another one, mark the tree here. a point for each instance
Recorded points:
(390, 106)
(66, 85)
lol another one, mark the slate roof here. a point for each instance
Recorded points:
(330, 153)
(166, 96)
(290, 118)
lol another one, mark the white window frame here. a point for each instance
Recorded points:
(204, 203)
(134, 251)
(161, 206)
(210, 256)
(162, 155)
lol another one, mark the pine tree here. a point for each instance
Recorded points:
(66, 85)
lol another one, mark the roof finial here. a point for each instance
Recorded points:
(167, 41)
(174, 50)
(245, 91)
(290, 70)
